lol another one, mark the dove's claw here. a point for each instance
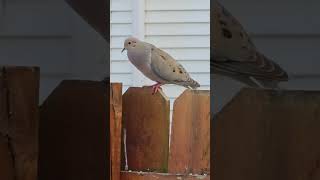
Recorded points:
(156, 87)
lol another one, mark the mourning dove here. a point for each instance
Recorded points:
(157, 65)
(235, 56)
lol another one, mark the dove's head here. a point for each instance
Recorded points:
(130, 43)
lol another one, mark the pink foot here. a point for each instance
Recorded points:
(155, 87)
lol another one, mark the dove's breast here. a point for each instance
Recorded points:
(141, 59)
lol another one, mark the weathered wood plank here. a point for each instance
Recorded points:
(4, 124)
(146, 119)
(115, 129)
(22, 107)
(125, 175)
(190, 137)
(6, 161)
(266, 134)
(74, 132)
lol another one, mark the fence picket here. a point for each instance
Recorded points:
(22, 88)
(146, 119)
(268, 134)
(190, 137)
(115, 129)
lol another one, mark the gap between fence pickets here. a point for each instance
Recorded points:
(125, 148)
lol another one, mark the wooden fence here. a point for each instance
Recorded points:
(260, 134)
(146, 120)
(266, 134)
(19, 92)
(68, 142)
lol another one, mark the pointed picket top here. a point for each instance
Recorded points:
(190, 136)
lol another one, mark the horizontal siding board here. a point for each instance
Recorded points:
(181, 29)
(180, 41)
(301, 17)
(117, 42)
(169, 41)
(120, 67)
(35, 19)
(296, 55)
(177, 4)
(121, 17)
(190, 53)
(196, 66)
(116, 54)
(304, 83)
(125, 78)
(177, 16)
(121, 29)
(202, 78)
(51, 55)
(121, 5)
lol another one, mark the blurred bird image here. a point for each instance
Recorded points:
(157, 65)
(235, 55)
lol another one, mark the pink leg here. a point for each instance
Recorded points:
(155, 87)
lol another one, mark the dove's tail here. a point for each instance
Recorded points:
(190, 83)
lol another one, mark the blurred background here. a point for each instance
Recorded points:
(288, 34)
(51, 35)
(180, 27)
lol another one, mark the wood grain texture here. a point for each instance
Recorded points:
(125, 175)
(4, 121)
(22, 107)
(6, 161)
(266, 134)
(146, 119)
(190, 137)
(115, 129)
(74, 133)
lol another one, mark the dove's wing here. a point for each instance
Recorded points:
(166, 67)
(234, 53)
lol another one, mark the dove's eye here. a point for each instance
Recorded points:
(129, 42)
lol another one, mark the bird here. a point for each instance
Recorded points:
(157, 65)
(234, 54)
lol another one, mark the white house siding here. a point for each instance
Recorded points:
(180, 27)
(120, 29)
(48, 34)
(287, 33)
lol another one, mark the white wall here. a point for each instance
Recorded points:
(120, 29)
(180, 27)
(287, 33)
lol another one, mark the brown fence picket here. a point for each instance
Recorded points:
(73, 132)
(115, 129)
(190, 137)
(268, 134)
(20, 127)
(146, 119)
(3, 103)
(6, 161)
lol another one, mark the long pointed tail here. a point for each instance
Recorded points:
(191, 83)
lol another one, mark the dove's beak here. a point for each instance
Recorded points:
(123, 50)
